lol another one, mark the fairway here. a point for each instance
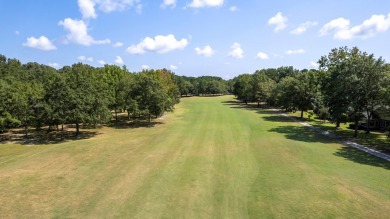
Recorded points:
(210, 158)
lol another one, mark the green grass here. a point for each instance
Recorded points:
(375, 139)
(211, 158)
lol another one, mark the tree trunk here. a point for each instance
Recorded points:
(301, 114)
(26, 130)
(258, 104)
(128, 115)
(369, 115)
(150, 118)
(116, 115)
(338, 123)
(356, 127)
(77, 128)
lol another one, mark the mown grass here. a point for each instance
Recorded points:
(211, 158)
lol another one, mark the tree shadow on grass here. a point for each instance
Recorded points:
(231, 102)
(305, 134)
(262, 109)
(374, 140)
(270, 115)
(43, 137)
(122, 124)
(276, 118)
(301, 133)
(357, 156)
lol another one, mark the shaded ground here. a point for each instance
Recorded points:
(43, 137)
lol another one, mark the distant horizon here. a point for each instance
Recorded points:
(223, 38)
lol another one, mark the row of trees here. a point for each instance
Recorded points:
(348, 85)
(38, 95)
(202, 86)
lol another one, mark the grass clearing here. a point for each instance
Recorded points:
(211, 158)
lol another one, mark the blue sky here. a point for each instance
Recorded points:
(191, 37)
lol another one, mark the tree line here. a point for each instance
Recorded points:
(348, 86)
(36, 95)
(202, 86)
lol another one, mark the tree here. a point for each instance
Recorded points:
(287, 93)
(355, 84)
(7, 120)
(336, 87)
(112, 77)
(26, 99)
(374, 82)
(149, 94)
(243, 88)
(88, 99)
(262, 86)
(308, 91)
(56, 97)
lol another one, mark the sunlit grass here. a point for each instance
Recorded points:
(211, 158)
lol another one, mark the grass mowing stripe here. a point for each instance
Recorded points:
(211, 158)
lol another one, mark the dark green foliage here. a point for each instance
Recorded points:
(243, 88)
(202, 86)
(355, 84)
(37, 95)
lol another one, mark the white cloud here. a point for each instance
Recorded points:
(262, 55)
(118, 44)
(173, 67)
(87, 8)
(205, 3)
(41, 43)
(145, 66)
(54, 65)
(314, 65)
(334, 26)
(279, 21)
(119, 60)
(233, 8)
(236, 51)
(83, 58)
(17, 32)
(101, 62)
(78, 33)
(138, 9)
(369, 28)
(303, 27)
(116, 5)
(293, 52)
(160, 44)
(168, 3)
(207, 51)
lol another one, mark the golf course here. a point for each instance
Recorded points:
(212, 157)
